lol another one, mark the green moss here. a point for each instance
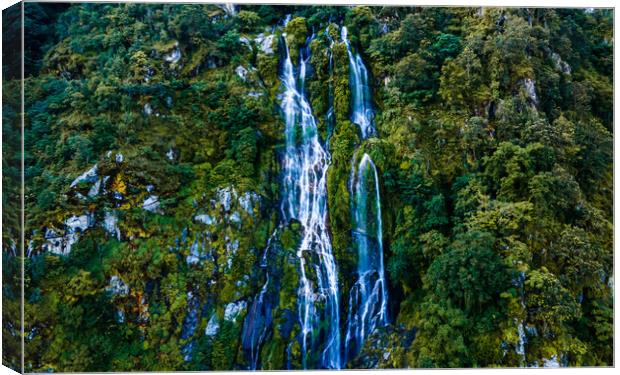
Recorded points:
(342, 91)
(164, 46)
(273, 354)
(197, 59)
(296, 35)
(288, 241)
(381, 151)
(334, 31)
(320, 83)
(267, 66)
(225, 345)
(363, 25)
(290, 273)
(342, 145)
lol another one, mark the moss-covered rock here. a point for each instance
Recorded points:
(320, 83)
(296, 35)
(386, 348)
(342, 145)
(342, 90)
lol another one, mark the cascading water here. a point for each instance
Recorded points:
(304, 199)
(368, 296)
(520, 349)
(362, 113)
(259, 318)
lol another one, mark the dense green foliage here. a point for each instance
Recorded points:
(11, 182)
(495, 158)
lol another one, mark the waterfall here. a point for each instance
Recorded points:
(230, 9)
(362, 113)
(520, 349)
(258, 325)
(304, 199)
(368, 296)
(259, 318)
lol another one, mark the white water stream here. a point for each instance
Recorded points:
(305, 199)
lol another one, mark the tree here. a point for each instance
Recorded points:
(470, 275)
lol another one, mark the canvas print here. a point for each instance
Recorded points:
(288, 187)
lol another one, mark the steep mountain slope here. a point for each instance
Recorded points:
(215, 187)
